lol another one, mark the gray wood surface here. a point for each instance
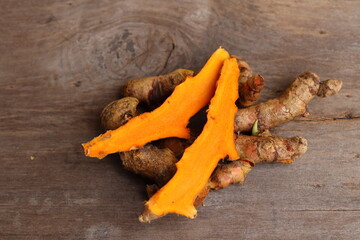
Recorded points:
(62, 61)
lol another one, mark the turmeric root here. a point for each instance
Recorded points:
(270, 148)
(249, 85)
(119, 112)
(228, 174)
(176, 145)
(200, 159)
(250, 91)
(154, 90)
(223, 176)
(168, 120)
(290, 104)
(151, 162)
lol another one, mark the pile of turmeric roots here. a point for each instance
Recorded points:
(160, 131)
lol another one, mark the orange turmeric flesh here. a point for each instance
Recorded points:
(168, 120)
(200, 159)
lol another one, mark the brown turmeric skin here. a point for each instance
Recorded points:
(250, 84)
(329, 87)
(151, 162)
(119, 112)
(225, 175)
(255, 149)
(176, 145)
(154, 90)
(228, 174)
(290, 104)
(249, 92)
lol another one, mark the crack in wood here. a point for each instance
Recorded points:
(325, 119)
(168, 57)
(324, 210)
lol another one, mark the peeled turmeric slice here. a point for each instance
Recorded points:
(168, 120)
(200, 159)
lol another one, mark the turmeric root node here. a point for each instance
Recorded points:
(249, 85)
(223, 176)
(168, 120)
(249, 92)
(200, 159)
(119, 112)
(228, 174)
(257, 149)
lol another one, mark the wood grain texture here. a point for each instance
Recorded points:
(61, 62)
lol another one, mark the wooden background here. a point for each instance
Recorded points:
(62, 61)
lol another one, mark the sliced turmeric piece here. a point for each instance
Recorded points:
(200, 159)
(168, 120)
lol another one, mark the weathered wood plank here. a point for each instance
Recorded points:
(61, 62)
